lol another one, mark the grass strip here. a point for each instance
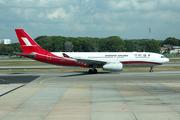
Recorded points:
(21, 63)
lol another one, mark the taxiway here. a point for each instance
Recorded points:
(80, 96)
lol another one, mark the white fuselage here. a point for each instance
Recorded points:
(130, 59)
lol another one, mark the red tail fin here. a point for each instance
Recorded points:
(28, 45)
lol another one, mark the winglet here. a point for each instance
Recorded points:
(65, 55)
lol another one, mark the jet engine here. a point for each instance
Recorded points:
(114, 66)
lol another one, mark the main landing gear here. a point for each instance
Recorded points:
(91, 71)
(151, 70)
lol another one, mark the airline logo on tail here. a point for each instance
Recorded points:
(26, 41)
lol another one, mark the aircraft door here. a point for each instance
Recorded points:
(131, 58)
(153, 58)
(49, 57)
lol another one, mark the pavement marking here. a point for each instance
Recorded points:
(45, 80)
(3, 88)
(42, 74)
(123, 109)
(2, 80)
(12, 90)
(9, 81)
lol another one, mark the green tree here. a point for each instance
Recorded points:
(16, 47)
(143, 46)
(171, 41)
(48, 47)
(129, 45)
(112, 44)
(58, 44)
(152, 46)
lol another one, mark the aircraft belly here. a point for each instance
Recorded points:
(139, 65)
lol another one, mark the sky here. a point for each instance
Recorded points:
(128, 19)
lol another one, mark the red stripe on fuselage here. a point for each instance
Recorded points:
(56, 60)
(140, 62)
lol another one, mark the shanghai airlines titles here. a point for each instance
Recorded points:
(111, 61)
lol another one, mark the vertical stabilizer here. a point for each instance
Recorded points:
(28, 45)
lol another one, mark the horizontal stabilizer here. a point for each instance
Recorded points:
(32, 55)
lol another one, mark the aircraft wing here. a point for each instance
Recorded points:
(90, 61)
(86, 61)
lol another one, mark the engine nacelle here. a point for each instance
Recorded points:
(114, 66)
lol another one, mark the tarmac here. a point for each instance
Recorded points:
(57, 67)
(83, 96)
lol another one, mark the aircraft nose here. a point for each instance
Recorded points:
(167, 60)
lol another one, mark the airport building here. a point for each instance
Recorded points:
(5, 41)
(1, 41)
(176, 49)
(170, 49)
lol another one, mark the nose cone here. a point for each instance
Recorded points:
(166, 60)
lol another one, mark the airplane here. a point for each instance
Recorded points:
(110, 61)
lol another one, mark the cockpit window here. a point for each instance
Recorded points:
(162, 57)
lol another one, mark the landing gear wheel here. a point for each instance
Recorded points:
(95, 71)
(90, 71)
